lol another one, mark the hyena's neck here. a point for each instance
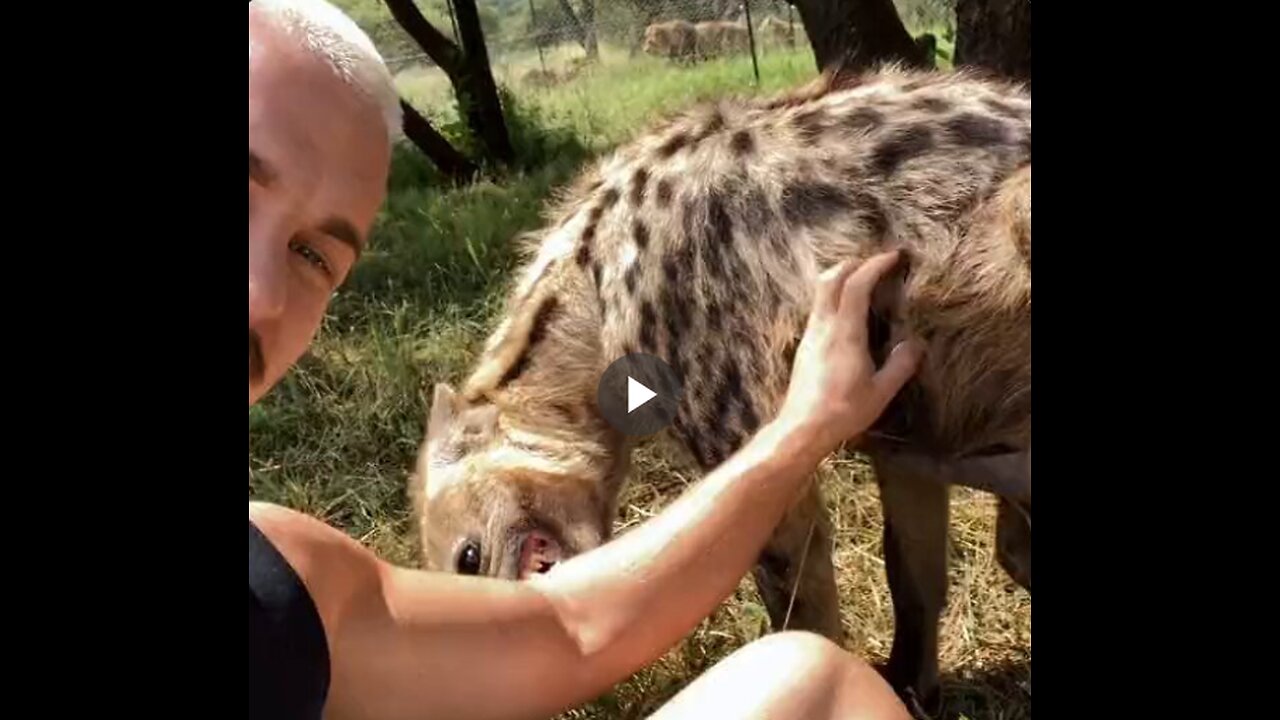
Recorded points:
(542, 366)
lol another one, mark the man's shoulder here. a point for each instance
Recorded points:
(331, 564)
(301, 538)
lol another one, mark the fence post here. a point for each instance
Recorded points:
(791, 26)
(751, 38)
(533, 21)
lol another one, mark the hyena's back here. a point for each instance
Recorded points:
(702, 242)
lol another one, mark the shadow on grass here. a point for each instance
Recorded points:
(999, 693)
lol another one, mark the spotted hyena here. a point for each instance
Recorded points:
(700, 243)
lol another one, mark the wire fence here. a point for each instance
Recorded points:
(540, 45)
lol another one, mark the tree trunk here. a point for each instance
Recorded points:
(584, 27)
(589, 23)
(856, 34)
(647, 13)
(481, 99)
(467, 68)
(995, 34)
(432, 144)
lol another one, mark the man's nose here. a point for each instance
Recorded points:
(268, 278)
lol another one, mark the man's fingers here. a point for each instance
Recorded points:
(855, 296)
(904, 361)
(830, 285)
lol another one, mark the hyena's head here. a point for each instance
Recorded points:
(497, 497)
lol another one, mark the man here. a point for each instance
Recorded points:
(334, 630)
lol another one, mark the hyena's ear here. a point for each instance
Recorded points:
(509, 349)
(443, 410)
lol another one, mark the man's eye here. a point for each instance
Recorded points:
(310, 255)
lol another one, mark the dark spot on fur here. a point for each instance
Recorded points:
(721, 226)
(915, 85)
(640, 232)
(741, 143)
(607, 200)
(715, 123)
(648, 327)
(677, 365)
(695, 448)
(638, 182)
(901, 147)
(750, 421)
(673, 144)
(931, 104)
(565, 411)
(789, 354)
(733, 379)
(872, 212)
(1003, 108)
(772, 297)
(813, 203)
(596, 270)
(810, 124)
(541, 320)
(583, 255)
(700, 234)
(973, 130)
(671, 268)
(664, 193)
(712, 457)
(672, 317)
(864, 118)
(630, 278)
(730, 392)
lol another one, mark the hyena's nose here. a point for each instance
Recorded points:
(538, 554)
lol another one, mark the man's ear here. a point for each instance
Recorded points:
(443, 410)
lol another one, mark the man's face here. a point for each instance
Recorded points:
(318, 159)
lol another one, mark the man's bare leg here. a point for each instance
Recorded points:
(788, 676)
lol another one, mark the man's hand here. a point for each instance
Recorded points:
(836, 393)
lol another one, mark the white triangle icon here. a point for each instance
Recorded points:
(637, 394)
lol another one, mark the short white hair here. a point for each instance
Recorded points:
(333, 36)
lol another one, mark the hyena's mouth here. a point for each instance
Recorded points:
(538, 554)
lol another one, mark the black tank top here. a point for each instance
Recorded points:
(288, 655)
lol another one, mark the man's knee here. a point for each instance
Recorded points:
(799, 650)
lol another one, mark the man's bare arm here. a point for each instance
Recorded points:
(411, 644)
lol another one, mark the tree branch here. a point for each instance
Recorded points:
(432, 144)
(435, 44)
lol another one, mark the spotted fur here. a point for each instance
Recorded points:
(701, 242)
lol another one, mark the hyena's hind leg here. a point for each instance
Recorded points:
(1013, 540)
(916, 505)
(798, 585)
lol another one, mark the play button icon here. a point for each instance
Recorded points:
(639, 394)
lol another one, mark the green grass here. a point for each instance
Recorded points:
(338, 436)
(604, 104)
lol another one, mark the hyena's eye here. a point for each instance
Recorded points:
(469, 558)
